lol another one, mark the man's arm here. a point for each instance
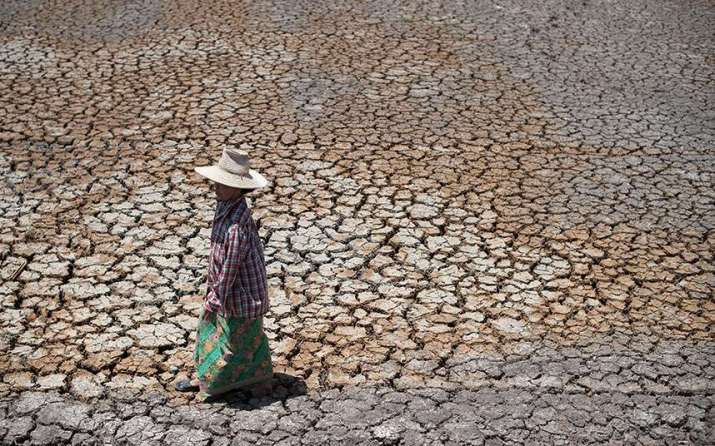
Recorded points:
(220, 297)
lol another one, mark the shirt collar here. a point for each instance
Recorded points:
(233, 207)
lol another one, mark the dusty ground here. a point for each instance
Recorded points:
(489, 222)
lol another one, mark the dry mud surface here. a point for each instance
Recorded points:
(488, 223)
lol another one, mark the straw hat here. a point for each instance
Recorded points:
(233, 169)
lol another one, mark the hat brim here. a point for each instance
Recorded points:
(215, 173)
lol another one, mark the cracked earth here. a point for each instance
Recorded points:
(488, 223)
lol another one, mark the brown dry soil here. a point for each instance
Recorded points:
(488, 222)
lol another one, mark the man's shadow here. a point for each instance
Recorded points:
(285, 387)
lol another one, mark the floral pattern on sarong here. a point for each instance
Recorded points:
(231, 352)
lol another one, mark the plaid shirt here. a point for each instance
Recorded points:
(237, 283)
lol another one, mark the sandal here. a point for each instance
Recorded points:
(186, 385)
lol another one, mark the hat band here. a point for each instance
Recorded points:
(241, 171)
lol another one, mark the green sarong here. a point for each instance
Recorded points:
(231, 352)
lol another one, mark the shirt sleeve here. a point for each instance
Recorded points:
(221, 294)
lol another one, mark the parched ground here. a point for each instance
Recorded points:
(488, 222)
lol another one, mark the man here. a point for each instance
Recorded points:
(231, 348)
